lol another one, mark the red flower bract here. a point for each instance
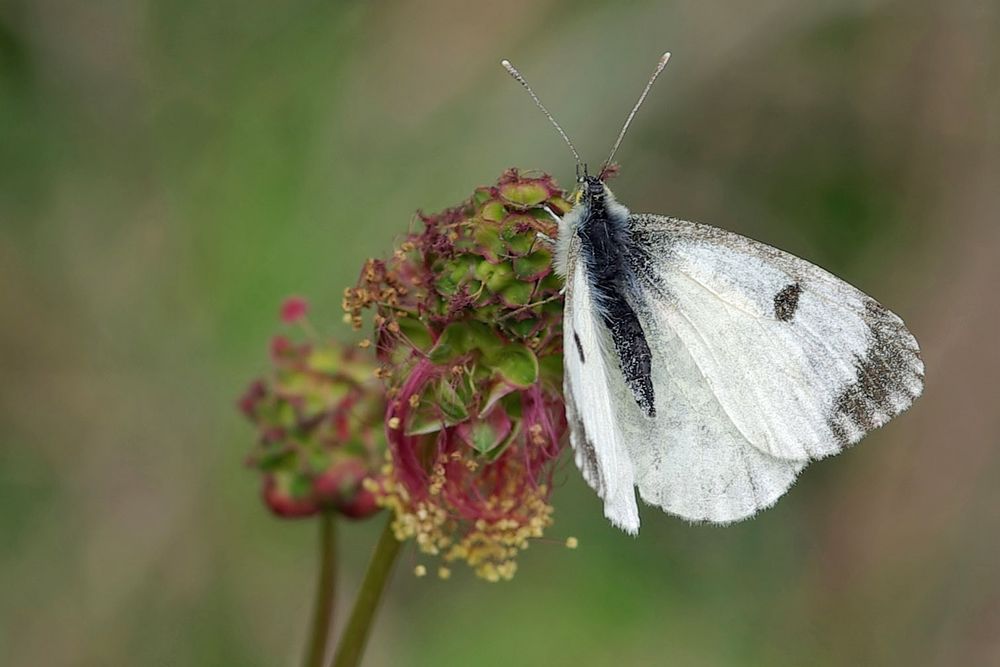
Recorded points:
(467, 318)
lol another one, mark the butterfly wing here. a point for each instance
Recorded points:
(596, 435)
(761, 362)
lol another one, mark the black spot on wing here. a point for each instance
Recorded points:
(579, 347)
(888, 378)
(786, 302)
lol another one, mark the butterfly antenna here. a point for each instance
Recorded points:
(649, 84)
(520, 79)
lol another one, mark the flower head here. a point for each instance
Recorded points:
(467, 319)
(318, 416)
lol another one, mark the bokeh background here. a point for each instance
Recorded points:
(170, 169)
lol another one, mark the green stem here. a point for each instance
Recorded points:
(326, 589)
(352, 642)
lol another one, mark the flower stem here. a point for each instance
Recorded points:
(352, 642)
(326, 589)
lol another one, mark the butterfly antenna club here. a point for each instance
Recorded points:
(520, 79)
(628, 121)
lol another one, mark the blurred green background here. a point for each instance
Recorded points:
(170, 169)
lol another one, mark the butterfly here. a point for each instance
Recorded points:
(705, 368)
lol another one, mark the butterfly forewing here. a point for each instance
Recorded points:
(802, 362)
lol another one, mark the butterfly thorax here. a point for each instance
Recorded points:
(602, 227)
(603, 230)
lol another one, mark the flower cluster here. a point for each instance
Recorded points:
(319, 417)
(467, 333)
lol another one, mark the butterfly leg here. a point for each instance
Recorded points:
(529, 306)
(545, 238)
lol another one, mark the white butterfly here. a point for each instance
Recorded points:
(708, 369)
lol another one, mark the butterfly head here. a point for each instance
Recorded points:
(590, 190)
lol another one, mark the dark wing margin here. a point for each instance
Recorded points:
(889, 377)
